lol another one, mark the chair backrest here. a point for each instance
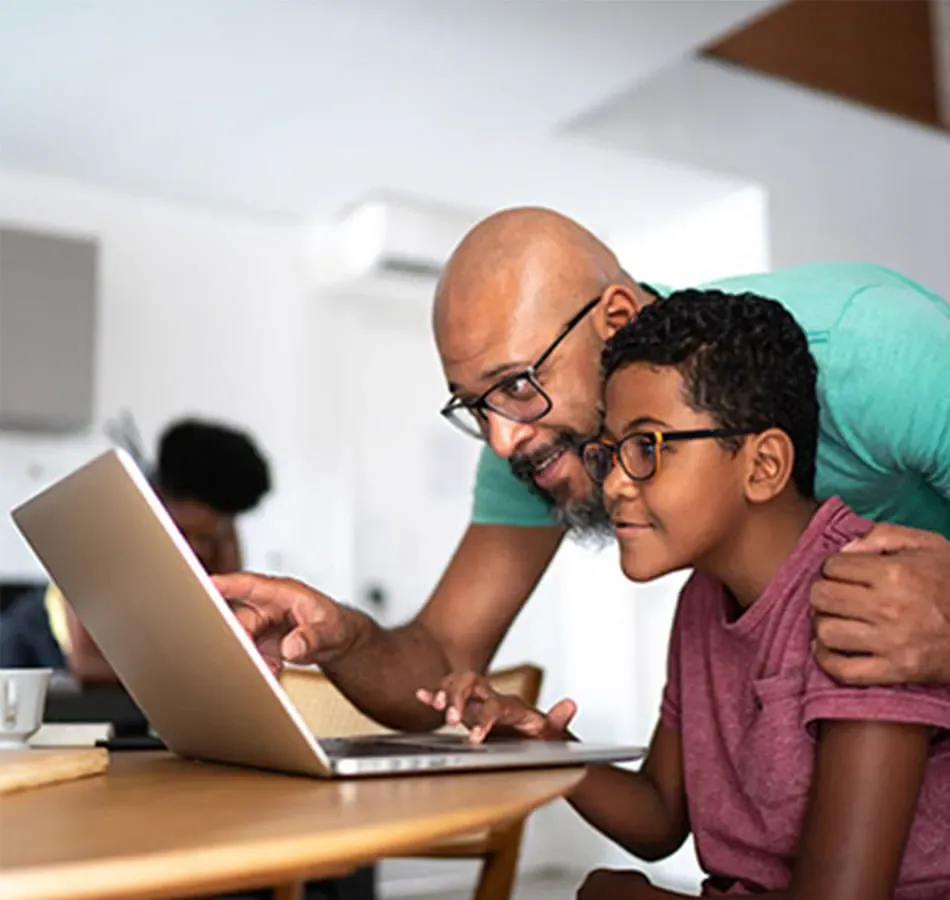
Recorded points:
(329, 714)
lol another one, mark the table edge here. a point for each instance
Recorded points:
(210, 869)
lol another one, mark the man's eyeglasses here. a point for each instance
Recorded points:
(641, 452)
(518, 397)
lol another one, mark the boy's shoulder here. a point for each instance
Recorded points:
(700, 583)
(698, 596)
(833, 526)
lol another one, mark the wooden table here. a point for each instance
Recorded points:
(158, 826)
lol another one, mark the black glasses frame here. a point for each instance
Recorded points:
(480, 404)
(656, 439)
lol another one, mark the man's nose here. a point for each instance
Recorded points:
(505, 436)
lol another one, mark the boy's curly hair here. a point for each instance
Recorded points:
(743, 359)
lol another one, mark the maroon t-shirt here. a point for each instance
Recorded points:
(745, 693)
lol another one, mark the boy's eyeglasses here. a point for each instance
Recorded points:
(518, 397)
(640, 453)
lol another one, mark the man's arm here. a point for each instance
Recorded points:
(886, 619)
(490, 577)
(501, 557)
(488, 580)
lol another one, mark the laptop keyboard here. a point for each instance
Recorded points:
(379, 747)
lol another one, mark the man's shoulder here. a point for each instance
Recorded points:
(500, 498)
(837, 277)
(819, 294)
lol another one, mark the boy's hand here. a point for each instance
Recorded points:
(468, 698)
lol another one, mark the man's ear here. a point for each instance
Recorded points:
(771, 459)
(619, 305)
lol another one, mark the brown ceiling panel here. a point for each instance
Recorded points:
(876, 52)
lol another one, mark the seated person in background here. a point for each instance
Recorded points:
(793, 785)
(206, 476)
(27, 640)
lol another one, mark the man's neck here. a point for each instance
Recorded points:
(767, 537)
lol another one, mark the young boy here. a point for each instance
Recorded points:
(793, 786)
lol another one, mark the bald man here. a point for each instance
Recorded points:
(521, 314)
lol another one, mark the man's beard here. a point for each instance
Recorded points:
(586, 520)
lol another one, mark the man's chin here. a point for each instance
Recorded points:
(585, 520)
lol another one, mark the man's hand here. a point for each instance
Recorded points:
(469, 699)
(288, 620)
(883, 609)
(616, 884)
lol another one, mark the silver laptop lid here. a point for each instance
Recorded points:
(111, 548)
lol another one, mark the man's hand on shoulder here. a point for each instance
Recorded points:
(882, 609)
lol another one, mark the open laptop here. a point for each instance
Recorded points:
(110, 546)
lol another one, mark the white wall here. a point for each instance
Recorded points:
(845, 182)
(718, 239)
(199, 314)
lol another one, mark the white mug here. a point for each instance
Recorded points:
(22, 701)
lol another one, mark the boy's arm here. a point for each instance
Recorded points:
(645, 811)
(864, 796)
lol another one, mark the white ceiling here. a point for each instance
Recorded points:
(297, 107)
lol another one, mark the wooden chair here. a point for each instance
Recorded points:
(328, 713)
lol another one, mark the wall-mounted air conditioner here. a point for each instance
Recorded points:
(387, 237)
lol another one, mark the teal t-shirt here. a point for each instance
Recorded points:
(882, 344)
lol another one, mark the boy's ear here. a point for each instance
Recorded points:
(771, 457)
